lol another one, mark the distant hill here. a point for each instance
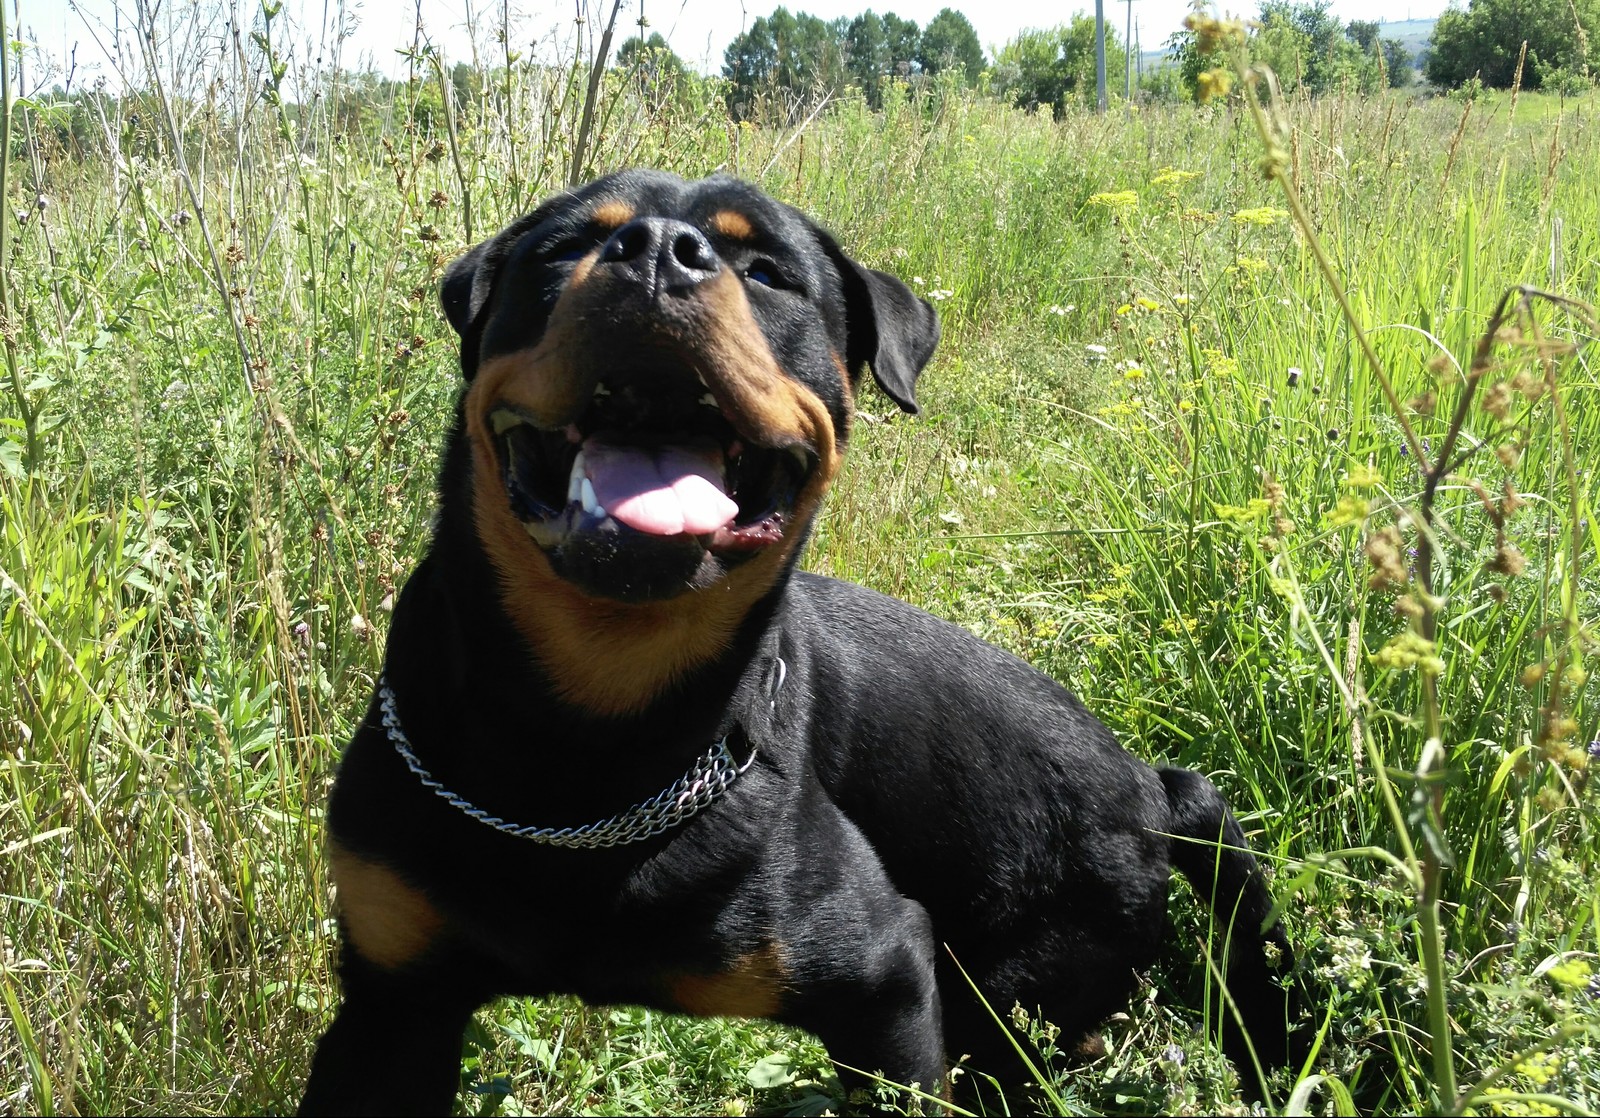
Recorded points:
(1414, 33)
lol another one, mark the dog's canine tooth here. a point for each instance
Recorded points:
(601, 391)
(577, 479)
(709, 400)
(502, 420)
(590, 504)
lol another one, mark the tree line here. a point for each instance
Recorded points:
(797, 57)
(791, 61)
(1484, 43)
(800, 54)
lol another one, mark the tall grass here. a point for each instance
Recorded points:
(1153, 461)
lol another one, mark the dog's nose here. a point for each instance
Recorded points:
(662, 254)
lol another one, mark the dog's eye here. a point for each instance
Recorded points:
(766, 273)
(567, 251)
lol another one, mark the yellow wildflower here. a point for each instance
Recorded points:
(1219, 364)
(1115, 200)
(1246, 514)
(1408, 649)
(1573, 973)
(1362, 477)
(1350, 510)
(1260, 215)
(1215, 82)
(1169, 177)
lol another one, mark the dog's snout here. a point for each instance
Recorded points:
(662, 254)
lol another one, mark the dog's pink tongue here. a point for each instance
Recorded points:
(664, 491)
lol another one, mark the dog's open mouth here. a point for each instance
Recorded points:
(653, 454)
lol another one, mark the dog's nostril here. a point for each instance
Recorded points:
(627, 243)
(694, 252)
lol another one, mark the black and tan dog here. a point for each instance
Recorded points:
(624, 750)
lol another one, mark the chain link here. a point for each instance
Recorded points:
(693, 792)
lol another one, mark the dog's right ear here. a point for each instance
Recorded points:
(465, 292)
(469, 283)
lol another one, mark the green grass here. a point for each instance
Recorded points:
(194, 573)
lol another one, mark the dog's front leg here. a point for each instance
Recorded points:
(864, 971)
(395, 1045)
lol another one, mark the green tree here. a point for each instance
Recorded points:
(1484, 41)
(1306, 47)
(1397, 64)
(796, 55)
(653, 65)
(1054, 66)
(1362, 32)
(1183, 48)
(1282, 45)
(949, 41)
(876, 47)
(867, 53)
(902, 37)
(1336, 58)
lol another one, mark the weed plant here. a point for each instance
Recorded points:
(1154, 461)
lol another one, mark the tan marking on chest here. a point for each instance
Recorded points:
(753, 987)
(388, 920)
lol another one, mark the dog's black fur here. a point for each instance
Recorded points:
(910, 788)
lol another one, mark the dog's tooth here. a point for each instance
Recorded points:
(586, 494)
(502, 421)
(576, 479)
(709, 400)
(601, 391)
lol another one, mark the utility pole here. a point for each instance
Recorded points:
(1127, 57)
(1100, 52)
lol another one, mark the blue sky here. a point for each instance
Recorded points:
(698, 30)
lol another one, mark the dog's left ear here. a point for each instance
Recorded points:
(890, 329)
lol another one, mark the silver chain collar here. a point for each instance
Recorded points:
(703, 785)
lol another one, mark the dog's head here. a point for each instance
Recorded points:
(661, 377)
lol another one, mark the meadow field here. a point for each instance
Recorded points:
(1154, 460)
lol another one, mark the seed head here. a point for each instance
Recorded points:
(1530, 386)
(1497, 401)
(1507, 559)
(1384, 554)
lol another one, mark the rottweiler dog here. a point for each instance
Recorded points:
(623, 749)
